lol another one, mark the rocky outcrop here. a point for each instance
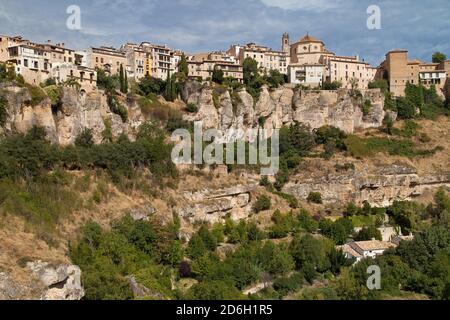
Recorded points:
(47, 282)
(10, 289)
(380, 189)
(284, 106)
(61, 282)
(214, 205)
(75, 112)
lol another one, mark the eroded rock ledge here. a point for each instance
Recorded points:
(380, 189)
(48, 282)
(213, 205)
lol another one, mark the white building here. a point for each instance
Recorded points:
(366, 249)
(32, 62)
(163, 62)
(311, 75)
(435, 77)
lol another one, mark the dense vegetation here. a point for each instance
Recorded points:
(304, 254)
(34, 174)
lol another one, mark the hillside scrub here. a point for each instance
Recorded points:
(366, 147)
(27, 156)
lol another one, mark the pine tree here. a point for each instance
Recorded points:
(121, 79)
(125, 85)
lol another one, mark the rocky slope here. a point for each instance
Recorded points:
(217, 194)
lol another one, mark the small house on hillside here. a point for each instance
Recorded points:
(366, 249)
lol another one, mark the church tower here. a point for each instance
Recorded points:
(285, 46)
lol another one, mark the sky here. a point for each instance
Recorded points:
(421, 27)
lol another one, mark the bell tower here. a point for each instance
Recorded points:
(285, 45)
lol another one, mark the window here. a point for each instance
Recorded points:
(25, 62)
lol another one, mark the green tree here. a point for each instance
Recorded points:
(308, 250)
(122, 79)
(3, 111)
(262, 203)
(183, 67)
(368, 233)
(275, 79)
(439, 57)
(348, 288)
(218, 75)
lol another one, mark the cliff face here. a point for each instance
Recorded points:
(217, 108)
(284, 106)
(66, 121)
(378, 187)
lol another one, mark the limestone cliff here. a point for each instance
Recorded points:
(284, 106)
(380, 187)
(75, 112)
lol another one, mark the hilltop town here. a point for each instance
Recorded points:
(93, 206)
(306, 62)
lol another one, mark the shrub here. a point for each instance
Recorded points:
(344, 167)
(262, 203)
(331, 85)
(368, 233)
(3, 111)
(191, 108)
(117, 108)
(380, 84)
(85, 139)
(315, 197)
(185, 269)
(37, 94)
(367, 106)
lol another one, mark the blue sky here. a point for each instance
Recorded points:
(422, 27)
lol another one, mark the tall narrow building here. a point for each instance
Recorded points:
(285, 45)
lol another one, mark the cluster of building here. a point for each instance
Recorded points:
(398, 71)
(305, 62)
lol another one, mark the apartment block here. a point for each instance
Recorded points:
(202, 66)
(7, 42)
(58, 52)
(163, 61)
(108, 59)
(136, 60)
(266, 58)
(30, 61)
(348, 69)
